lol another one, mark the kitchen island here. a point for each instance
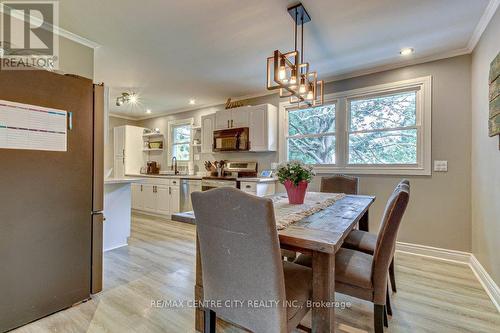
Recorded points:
(117, 212)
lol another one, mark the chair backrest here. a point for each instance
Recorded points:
(386, 240)
(240, 257)
(339, 184)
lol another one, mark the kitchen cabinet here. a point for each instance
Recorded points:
(207, 133)
(128, 148)
(263, 124)
(262, 121)
(259, 189)
(232, 118)
(159, 196)
(137, 197)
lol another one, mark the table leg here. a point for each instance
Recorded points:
(363, 223)
(198, 291)
(323, 317)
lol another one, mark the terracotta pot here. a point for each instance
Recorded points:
(296, 194)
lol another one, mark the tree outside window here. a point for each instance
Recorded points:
(311, 135)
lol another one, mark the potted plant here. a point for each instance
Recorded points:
(295, 176)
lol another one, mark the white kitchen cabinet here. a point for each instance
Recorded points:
(263, 127)
(128, 150)
(175, 199)
(158, 196)
(207, 133)
(137, 197)
(232, 118)
(163, 200)
(223, 119)
(150, 198)
(259, 189)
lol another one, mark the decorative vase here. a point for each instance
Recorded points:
(296, 194)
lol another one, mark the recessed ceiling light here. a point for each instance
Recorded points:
(148, 111)
(192, 101)
(406, 51)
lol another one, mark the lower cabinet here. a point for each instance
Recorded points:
(161, 198)
(258, 189)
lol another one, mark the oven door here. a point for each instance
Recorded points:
(208, 184)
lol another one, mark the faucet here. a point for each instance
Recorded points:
(174, 165)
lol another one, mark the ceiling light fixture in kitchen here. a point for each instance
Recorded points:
(290, 74)
(192, 101)
(126, 97)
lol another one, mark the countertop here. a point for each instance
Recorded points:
(194, 177)
(110, 181)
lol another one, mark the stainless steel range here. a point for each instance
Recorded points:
(233, 171)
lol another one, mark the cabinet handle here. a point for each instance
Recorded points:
(141, 188)
(228, 123)
(123, 152)
(248, 186)
(169, 190)
(231, 123)
(154, 189)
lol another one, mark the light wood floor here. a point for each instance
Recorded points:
(433, 296)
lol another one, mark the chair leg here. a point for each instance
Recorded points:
(388, 302)
(210, 321)
(386, 321)
(392, 276)
(378, 318)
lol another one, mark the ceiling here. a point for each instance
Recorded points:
(171, 51)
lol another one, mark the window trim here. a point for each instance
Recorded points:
(170, 141)
(423, 125)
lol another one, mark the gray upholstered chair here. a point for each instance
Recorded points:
(365, 242)
(240, 259)
(339, 184)
(364, 276)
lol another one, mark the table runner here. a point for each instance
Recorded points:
(287, 214)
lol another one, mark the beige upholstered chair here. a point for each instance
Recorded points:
(364, 276)
(240, 258)
(339, 184)
(365, 242)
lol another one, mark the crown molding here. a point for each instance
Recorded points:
(482, 24)
(76, 38)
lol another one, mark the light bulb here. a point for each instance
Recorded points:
(310, 95)
(133, 99)
(282, 73)
(302, 88)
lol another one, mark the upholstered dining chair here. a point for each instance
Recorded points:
(339, 184)
(366, 242)
(364, 276)
(240, 259)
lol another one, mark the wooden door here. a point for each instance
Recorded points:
(175, 199)
(240, 117)
(258, 129)
(207, 133)
(150, 198)
(223, 119)
(163, 200)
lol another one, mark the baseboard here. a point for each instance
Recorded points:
(434, 252)
(460, 257)
(486, 281)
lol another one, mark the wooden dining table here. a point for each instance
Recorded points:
(320, 235)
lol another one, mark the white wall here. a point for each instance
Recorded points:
(485, 157)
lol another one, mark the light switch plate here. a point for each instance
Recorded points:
(441, 166)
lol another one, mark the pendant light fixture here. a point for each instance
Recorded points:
(290, 74)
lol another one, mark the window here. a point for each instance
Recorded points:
(180, 140)
(383, 129)
(311, 135)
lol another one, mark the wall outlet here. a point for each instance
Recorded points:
(441, 166)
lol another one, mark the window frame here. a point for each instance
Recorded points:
(422, 85)
(170, 141)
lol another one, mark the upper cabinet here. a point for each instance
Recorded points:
(128, 146)
(262, 121)
(207, 133)
(232, 118)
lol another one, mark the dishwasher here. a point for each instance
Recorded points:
(188, 186)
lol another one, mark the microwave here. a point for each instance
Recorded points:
(234, 139)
